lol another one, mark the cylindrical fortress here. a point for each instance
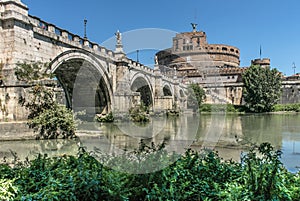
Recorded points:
(193, 47)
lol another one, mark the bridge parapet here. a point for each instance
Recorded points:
(146, 69)
(61, 35)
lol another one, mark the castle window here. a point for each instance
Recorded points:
(198, 41)
(237, 51)
(224, 48)
(184, 41)
(232, 50)
(187, 47)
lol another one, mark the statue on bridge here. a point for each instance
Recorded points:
(156, 60)
(119, 37)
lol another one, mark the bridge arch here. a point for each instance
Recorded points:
(167, 90)
(142, 84)
(85, 81)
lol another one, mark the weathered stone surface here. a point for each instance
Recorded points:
(25, 38)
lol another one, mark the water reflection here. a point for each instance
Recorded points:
(31, 148)
(218, 132)
(178, 134)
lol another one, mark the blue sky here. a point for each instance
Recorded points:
(246, 24)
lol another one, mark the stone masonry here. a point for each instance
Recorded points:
(121, 83)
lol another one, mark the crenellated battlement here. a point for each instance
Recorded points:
(51, 31)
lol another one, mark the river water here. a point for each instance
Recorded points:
(229, 134)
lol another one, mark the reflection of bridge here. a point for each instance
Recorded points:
(91, 76)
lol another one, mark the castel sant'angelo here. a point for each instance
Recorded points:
(216, 67)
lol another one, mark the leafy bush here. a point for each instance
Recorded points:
(139, 114)
(46, 116)
(8, 190)
(105, 118)
(295, 107)
(205, 108)
(194, 176)
(65, 178)
(55, 122)
(221, 108)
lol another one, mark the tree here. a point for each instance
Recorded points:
(196, 96)
(262, 88)
(46, 116)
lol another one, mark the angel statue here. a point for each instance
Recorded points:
(119, 37)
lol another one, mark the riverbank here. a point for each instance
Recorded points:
(14, 131)
(241, 109)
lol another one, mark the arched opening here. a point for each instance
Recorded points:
(141, 86)
(167, 91)
(84, 86)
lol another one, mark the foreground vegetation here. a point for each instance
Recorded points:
(195, 176)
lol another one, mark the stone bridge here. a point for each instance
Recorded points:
(92, 77)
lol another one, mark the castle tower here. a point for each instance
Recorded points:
(265, 62)
(191, 48)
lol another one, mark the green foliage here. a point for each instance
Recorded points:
(172, 113)
(262, 174)
(61, 178)
(196, 96)
(295, 107)
(262, 88)
(46, 116)
(139, 114)
(194, 176)
(54, 122)
(221, 108)
(32, 72)
(105, 118)
(8, 190)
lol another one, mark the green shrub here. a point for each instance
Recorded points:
(106, 118)
(139, 114)
(221, 108)
(205, 108)
(8, 190)
(294, 107)
(66, 178)
(194, 176)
